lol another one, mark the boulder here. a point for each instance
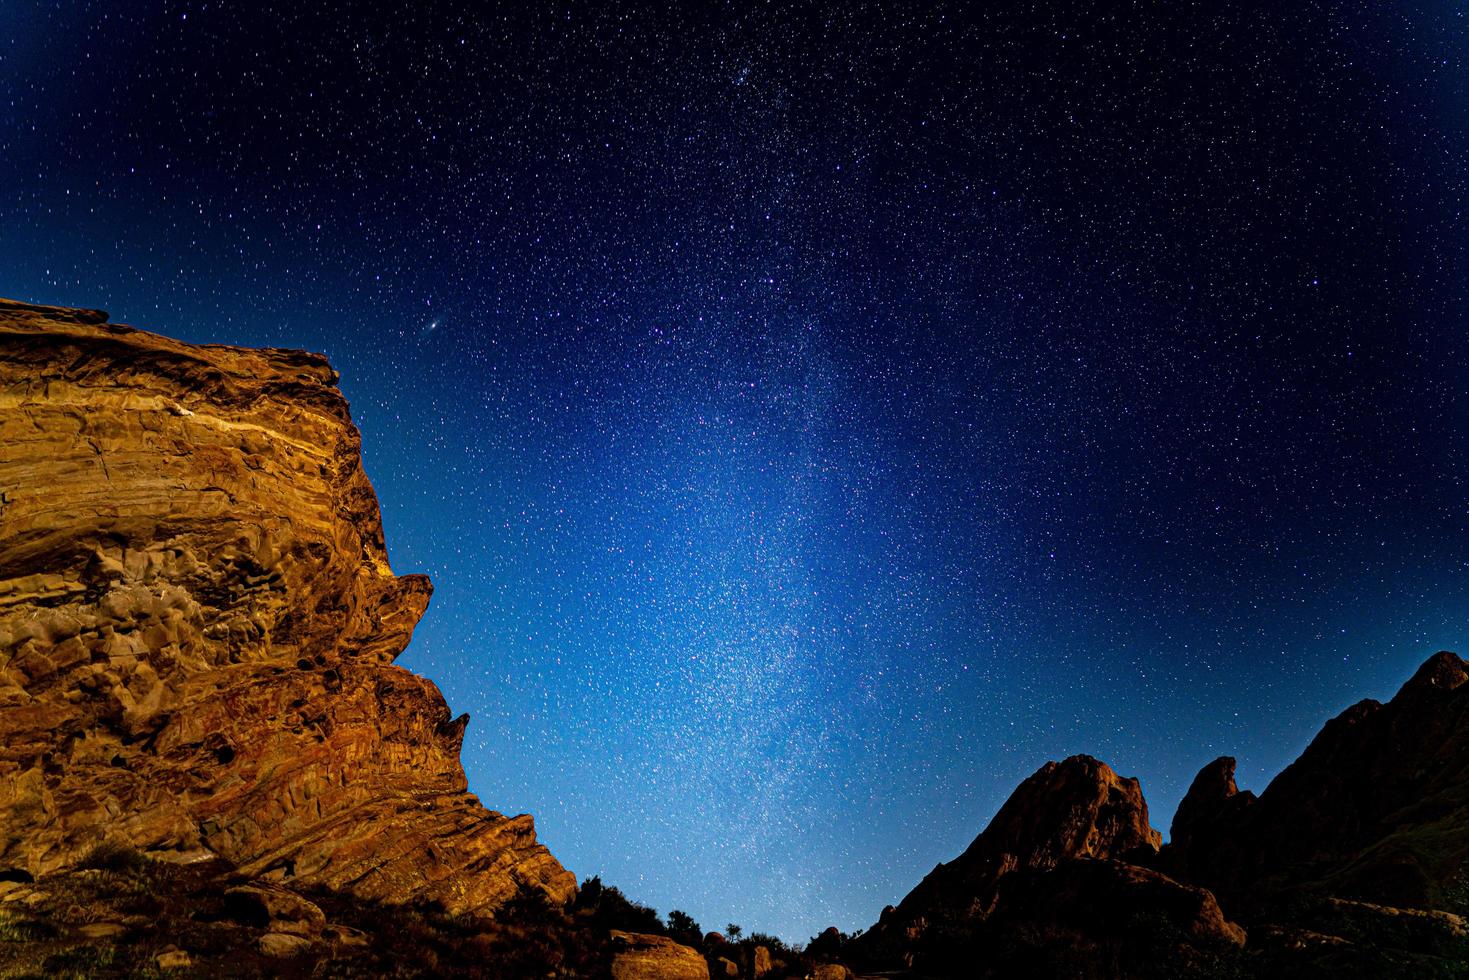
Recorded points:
(103, 930)
(273, 908)
(283, 944)
(173, 958)
(830, 971)
(637, 956)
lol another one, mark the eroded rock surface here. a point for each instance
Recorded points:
(198, 623)
(637, 956)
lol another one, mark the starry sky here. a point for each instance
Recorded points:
(814, 418)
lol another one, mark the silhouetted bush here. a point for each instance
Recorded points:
(115, 856)
(605, 907)
(683, 929)
(778, 947)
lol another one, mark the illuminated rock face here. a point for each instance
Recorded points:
(641, 957)
(198, 625)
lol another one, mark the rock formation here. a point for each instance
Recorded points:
(1376, 808)
(197, 632)
(1213, 802)
(1096, 899)
(198, 623)
(1078, 808)
(637, 956)
(1353, 862)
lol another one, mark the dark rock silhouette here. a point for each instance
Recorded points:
(1352, 862)
(1097, 900)
(1376, 808)
(1078, 808)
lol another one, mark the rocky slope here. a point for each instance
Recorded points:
(1066, 810)
(1353, 862)
(198, 625)
(1063, 857)
(1376, 808)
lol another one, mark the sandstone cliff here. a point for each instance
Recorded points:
(198, 623)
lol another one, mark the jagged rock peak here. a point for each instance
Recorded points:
(1372, 810)
(1444, 671)
(1076, 808)
(1210, 789)
(198, 622)
(1211, 806)
(1215, 781)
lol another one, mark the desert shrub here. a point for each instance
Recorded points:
(13, 930)
(605, 907)
(531, 907)
(830, 945)
(115, 856)
(80, 961)
(682, 928)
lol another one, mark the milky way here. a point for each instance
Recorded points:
(814, 421)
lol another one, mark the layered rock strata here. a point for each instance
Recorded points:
(198, 624)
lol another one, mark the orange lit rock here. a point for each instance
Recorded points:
(198, 625)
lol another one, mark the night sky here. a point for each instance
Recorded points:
(815, 421)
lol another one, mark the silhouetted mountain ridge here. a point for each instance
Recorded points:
(1352, 862)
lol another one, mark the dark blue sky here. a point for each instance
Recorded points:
(814, 421)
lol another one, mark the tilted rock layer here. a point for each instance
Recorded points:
(198, 623)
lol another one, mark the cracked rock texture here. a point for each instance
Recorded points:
(637, 956)
(198, 625)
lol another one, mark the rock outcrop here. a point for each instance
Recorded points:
(1213, 803)
(1353, 862)
(1098, 901)
(636, 956)
(198, 623)
(1066, 838)
(1376, 808)
(1078, 808)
